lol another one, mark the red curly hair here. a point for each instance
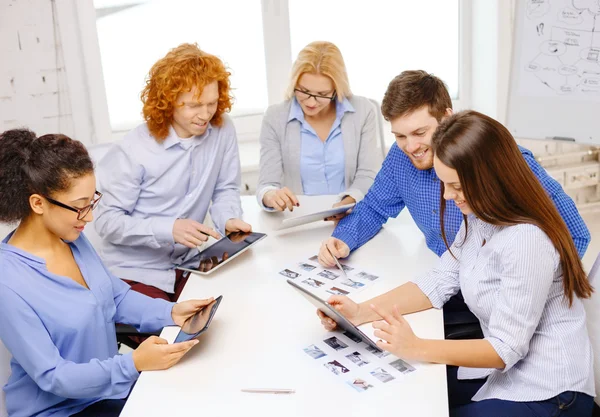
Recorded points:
(178, 72)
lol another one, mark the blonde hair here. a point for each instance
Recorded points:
(323, 58)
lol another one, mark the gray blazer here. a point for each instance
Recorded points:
(280, 149)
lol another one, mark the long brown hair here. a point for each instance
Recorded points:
(502, 190)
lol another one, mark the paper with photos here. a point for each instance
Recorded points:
(324, 282)
(351, 362)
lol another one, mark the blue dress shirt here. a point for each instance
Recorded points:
(399, 184)
(322, 164)
(62, 335)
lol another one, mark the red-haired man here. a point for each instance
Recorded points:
(159, 182)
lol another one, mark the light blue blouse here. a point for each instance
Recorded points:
(322, 164)
(62, 335)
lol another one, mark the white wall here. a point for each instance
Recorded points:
(44, 72)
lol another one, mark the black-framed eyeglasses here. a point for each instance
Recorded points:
(81, 212)
(305, 95)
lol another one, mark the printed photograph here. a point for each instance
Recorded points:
(377, 352)
(402, 366)
(313, 282)
(314, 258)
(365, 275)
(359, 384)
(337, 291)
(382, 375)
(353, 284)
(352, 337)
(336, 367)
(335, 343)
(289, 273)
(357, 359)
(347, 268)
(306, 267)
(327, 274)
(314, 352)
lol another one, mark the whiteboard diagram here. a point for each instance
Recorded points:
(560, 49)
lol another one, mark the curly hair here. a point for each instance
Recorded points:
(178, 72)
(31, 165)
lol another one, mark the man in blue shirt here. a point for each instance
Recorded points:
(415, 103)
(160, 181)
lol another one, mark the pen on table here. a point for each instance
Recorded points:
(340, 266)
(269, 390)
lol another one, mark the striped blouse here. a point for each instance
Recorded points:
(511, 279)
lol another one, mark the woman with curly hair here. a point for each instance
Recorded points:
(159, 182)
(58, 302)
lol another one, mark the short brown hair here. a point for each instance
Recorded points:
(412, 90)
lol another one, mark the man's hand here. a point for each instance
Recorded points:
(237, 225)
(335, 247)
(192, 234)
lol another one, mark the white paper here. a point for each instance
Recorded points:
(560, 49)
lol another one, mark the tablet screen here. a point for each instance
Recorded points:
(226, 248)
(199, 322)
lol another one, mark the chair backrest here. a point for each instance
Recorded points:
(97, 152)
(5, 357)
(379, 127)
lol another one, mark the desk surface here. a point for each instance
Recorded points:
(257, 336)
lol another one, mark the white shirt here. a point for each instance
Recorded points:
(511, 279)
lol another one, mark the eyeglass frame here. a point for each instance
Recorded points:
(89, 207)
(316, 96)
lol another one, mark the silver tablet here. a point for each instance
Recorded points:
(330, 312)
(314, 217)
(223, 251)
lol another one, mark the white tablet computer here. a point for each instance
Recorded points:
(223, 251)
(330, 312)
(314, 217)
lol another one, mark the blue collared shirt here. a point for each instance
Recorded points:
(62, 335)
(148, 185)
(399, 184)
(322, 164)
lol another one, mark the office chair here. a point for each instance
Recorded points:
(379, 127)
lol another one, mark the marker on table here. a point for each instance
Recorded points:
(269, 390)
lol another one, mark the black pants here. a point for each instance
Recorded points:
(104, 408)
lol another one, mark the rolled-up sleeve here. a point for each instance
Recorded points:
(527, 273)
(442, 282)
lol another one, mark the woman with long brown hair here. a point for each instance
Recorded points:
(520, 274)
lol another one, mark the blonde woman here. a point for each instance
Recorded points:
(321, 139)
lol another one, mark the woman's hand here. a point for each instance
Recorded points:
(343, 305)
(396, 334)
(186, 309)
(155, 353)
(281, 199)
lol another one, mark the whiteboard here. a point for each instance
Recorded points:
(555, 71)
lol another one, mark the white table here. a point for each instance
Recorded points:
(258, 333)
